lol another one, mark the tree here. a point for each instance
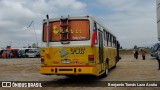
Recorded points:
(135, 47)
(29, 47)
(34, 45)
(8, 47)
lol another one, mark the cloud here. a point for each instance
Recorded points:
(16, 15)
(55, 7)
(133, 21)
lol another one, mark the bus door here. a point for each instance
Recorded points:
(101, 61)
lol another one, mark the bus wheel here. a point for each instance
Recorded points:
(117, 59)
(114, 66)
(106, 71)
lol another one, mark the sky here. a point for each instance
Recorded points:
(132, 21)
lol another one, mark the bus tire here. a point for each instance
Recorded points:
(106, 71)
(115, 63)
(114, 66)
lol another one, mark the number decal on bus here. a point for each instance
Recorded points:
(77, 50)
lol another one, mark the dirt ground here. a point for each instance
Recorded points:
(128, 69)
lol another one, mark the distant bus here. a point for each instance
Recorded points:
(77, 46)
(10, 53)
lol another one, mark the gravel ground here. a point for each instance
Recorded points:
(128, 69)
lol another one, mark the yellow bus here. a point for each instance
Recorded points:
(77, 46)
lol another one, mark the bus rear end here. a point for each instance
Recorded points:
(69, 51)
(68, 60)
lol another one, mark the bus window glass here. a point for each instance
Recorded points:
(107, 35)
(78, 30)
(111, 39)
(104, 35)
(114, 43)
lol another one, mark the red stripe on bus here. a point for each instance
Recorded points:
(69, 66)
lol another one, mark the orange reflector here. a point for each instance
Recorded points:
(42, 59)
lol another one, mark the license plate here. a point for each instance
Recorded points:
(66, 61)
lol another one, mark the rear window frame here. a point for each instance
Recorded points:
(67, 40)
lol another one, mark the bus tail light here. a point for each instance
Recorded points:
(42, 59)
(90, 58)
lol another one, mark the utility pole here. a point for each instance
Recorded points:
(34, 30)
(35, 34)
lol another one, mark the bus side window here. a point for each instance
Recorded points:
(107, 38)
(104, 34)
(114, 41)
(111, 39)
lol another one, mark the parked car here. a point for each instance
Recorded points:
(22, 53)
(13, 53)
(33, 53)
(5, 53)
(1, 51)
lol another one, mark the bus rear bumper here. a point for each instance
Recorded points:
(69, 70)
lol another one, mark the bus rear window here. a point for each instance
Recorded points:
(78, 30)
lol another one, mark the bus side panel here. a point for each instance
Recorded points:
(98, 66)
(111, 56)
